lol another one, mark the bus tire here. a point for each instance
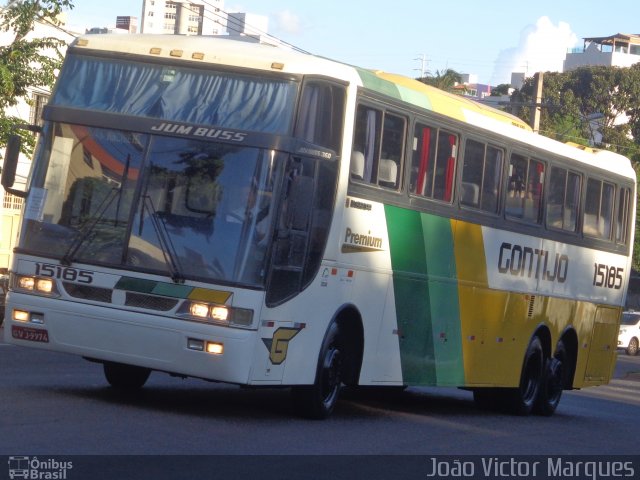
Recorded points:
(553, 381)
(125, 377)
(521, 400)
(317, 401)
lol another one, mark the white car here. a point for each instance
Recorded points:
(629, 332)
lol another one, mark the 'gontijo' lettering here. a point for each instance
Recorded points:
(522, 261)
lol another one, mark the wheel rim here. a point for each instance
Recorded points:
(633, 346)
(331, 376)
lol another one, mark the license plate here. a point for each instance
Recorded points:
(29, 334)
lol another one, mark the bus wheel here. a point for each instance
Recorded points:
(552, 382)
(317, 401)
(521, 400)
(125, 377)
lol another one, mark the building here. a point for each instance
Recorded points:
(184, 17)
(619, 50)
(247, 25)
(128, 24)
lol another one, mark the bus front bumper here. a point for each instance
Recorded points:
(166, 344)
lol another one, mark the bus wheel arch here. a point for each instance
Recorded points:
(349, 322)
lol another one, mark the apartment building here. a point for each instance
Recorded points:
(188, 17)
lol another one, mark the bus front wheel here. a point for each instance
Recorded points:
(317, 401)
(125, 377)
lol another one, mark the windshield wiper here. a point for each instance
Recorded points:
(71, 252)
(168, 250)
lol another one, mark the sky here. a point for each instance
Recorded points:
(487, 39)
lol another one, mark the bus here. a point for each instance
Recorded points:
(250, 214)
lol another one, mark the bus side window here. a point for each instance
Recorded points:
(525, 189)
(622, 219)
(481, 176)
(393, 140)
(598, 209)
(563, 199)
(366, 137)
(433, 164)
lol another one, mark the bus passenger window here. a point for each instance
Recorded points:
(598, 209)
(366, 142)
(393, 136)
(481, 175)
(378, 147)
(526, 179)
(433, 165)
(472, 174)
(563, 199)
(622, 219)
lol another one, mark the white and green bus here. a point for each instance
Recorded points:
(249, 214)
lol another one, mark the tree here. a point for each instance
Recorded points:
(27, 62)
(444, 80)
(502, 89)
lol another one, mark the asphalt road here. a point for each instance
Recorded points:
(57, 404)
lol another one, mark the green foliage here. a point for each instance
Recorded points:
(444, 80)
(502, 89)
(27, 62)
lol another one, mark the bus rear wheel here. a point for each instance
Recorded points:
(125, 377)
(553, 382)
(521, 400)
(317, 401)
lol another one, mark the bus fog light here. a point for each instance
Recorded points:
(20, 316)
(215, 348)
(219, 313)
(199, 310)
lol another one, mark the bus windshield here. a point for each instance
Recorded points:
(188, 208)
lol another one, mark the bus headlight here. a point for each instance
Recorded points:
(217, 314)
(38, 285)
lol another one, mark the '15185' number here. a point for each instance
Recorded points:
(607, 276)
(64, 273)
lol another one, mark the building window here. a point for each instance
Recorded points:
(38, 101)
(11, 202)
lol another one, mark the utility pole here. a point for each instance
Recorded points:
(536, 109)
(423, 65)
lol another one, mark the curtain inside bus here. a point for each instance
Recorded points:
(180, 94)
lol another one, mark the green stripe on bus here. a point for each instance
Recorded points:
(372, 81)
(443, 292)
(426, 297)
(140, 285)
